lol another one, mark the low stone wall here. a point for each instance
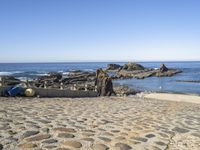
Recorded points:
(57, 92)
(64, 93)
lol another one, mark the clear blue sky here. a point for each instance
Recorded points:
(99, 30)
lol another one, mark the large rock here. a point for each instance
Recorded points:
(163, 68)
(104, 83)
(113, 67)
(132, 66)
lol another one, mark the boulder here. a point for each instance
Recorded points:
(163, 68)
(132, 66)
(104, 83)
(113, 67)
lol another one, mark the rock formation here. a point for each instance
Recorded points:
(163, 68)
(104, 83)
(113, 67)
(132, 66)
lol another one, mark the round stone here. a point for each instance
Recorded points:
(38, 137)
(73, 144)
(65, 129)
(65, 135)
(100, 147)
(29, 133)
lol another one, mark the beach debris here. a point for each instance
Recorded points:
(104, 83)
(17, 90)
(29, 92)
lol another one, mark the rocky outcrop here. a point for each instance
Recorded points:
(113, 67)
(163, 68)
(9, 81)
(141, 72)
(132, 66)
(104, 83)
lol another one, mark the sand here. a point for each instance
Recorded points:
(115, 123)
(172, 97)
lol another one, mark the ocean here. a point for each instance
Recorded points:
(191, 71)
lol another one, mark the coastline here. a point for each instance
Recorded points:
(175, 97)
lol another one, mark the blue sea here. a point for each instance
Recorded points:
(191, 71)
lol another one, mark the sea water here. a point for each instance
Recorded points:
(191, 71)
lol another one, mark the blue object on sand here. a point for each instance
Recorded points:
(16, 90)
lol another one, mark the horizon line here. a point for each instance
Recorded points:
(106, 61)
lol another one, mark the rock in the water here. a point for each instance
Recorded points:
(163, 68)
(132, 66)
(104, 83)
(113, 67)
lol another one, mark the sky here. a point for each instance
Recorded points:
(99, 30)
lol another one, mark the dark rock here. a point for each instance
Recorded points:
(163, 68)
(150, 135)
(1, 146)
(55, 75)
(9, 81)
(113, 67)
(104, 84)
(29, 133)
(132, 66)
(65, 135)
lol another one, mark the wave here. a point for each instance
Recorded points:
(4, 73)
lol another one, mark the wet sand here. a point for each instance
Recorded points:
(115, 123)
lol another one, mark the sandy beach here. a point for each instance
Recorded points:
(115, 123)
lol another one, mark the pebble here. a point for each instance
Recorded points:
(65, 129)
(73, 144)
(29, 133)
(38, 137)
(50, 141)
(65, 135)
(100, 147)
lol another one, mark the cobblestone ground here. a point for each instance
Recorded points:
(114, 123)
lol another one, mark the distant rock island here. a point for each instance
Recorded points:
(134, 70)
